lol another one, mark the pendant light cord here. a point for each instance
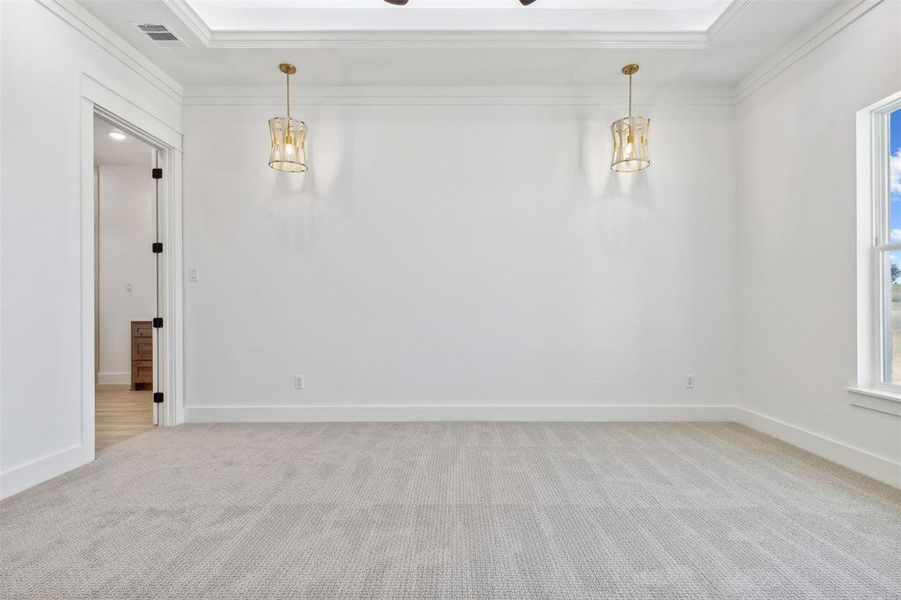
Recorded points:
(630, 96)
(288, 93)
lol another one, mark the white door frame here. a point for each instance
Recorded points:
(98, 99)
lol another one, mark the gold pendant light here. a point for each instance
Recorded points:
(630, 137)
(287, 134)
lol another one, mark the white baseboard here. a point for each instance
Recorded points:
(38, 471)
(455, 412)
(878, 467)
(114, 378)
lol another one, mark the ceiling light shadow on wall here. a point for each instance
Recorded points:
(299, 202)
(328, 152)
(596, 148)
(295, 210)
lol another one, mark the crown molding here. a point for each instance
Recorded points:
(457, 39)
(434, 39)
(844, 15)
(725, 19)
(822, 31)
(190, 19)
(450, 39)
(457, 96)
(92, 28)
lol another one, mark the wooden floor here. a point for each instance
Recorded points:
(120, 414)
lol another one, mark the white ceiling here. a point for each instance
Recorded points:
(107, 151)
(704, 42)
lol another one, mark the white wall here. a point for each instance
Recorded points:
(457, 255)
(126, 232)
(441, 254)
(43, 61)
(796, 228)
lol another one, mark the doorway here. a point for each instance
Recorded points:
(126, 284)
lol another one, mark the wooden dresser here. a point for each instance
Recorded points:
(141, 355)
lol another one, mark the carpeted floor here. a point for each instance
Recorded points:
(453, 510)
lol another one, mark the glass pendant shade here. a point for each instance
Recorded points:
(630, 144)
(287, 152)
(287, 135)
(630, 136)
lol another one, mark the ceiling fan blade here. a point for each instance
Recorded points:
(404, 2)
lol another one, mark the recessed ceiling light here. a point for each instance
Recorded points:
(117, 136)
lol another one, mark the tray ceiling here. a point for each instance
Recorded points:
(689, 43)
(671, 16)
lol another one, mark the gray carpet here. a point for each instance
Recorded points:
(456, 511)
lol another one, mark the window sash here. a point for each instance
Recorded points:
(883, 246)
(885, 330)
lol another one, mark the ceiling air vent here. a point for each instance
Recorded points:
(160, 35)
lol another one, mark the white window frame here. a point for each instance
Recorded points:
(874, 352)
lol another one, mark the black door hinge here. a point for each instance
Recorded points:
(158, 397)
(157, 322)
(157, 247)
(157, 173)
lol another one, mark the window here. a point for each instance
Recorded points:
(879, 243)
(890, 251)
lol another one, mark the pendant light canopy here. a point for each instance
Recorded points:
(287, 134)
(630, 137)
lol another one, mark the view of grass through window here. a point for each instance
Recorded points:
(895, 238)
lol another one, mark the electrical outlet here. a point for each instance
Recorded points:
(194, 274)
(298, 382)
(689, 382)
